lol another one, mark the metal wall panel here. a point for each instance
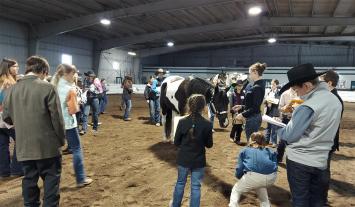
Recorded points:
(13, 42)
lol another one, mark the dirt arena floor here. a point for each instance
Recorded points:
(132, 167)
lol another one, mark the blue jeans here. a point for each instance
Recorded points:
(196, 178)
(128, 103)
(73, 140)
(271, 132)
(210, 114)
(103, 103)
(252, 124)
(8, 167)
(154, 106)
(49, 170)
(94, 103)
(307, 184)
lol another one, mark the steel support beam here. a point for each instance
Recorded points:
(164, 50)
(60, 27)
(243, 24)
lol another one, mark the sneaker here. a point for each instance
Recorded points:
(213, 131)
(157, 124)
(82, 132)
(238, 142)
(231, 139)
(127, 119)
(274, 145)
(86, 182)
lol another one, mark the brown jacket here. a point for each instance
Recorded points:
(34, 108)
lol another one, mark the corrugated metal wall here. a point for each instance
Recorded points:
(14, 44)
(125, 63)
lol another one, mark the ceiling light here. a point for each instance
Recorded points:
(105, 21)
(253, 11)
(271, 40)
(170, 44)
(132, 53)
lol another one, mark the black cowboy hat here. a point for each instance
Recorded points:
(90, 73)
(160, 70)
(300, 74)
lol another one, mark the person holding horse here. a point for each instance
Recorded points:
(193, 134)
(253, 100)
(156, 102)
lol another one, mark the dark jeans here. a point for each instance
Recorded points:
(252, 124)
(154, 107)
(236, 132)
(325, 193)
(282, 144)
(307, 184)
(103, 103)
(8, 166)
(49, 170)
(94, 103)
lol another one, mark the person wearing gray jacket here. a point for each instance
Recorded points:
(309, 136)
(33, 106)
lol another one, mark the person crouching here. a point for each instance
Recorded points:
(256, 170)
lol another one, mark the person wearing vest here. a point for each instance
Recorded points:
(310, 136)
(331, 78)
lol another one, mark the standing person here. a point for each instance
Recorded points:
(256, 170)
(331, 78)
(93, 90)
(253, 100)
(272, 110)
(210, 112)
(285, 107)
(193, 134)
(33, 106)
(64, 82)
(127, 97)
(156, 89)
(150, 97)
(310, 136)
(104, 100)
(237, 99)
(8, 167)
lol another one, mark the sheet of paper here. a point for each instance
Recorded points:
(271, 120)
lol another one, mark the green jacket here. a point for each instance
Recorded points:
(33, 106)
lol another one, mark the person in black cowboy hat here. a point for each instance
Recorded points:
(156, 102)
(309, 135)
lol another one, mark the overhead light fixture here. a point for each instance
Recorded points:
(132, 53)
(115, 65)
(105, 21)
(255, 10)
(271, 40)
(170, 44)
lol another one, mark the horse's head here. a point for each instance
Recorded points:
(219, 105)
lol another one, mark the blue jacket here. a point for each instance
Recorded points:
(259, 160)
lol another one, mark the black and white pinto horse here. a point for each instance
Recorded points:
(176, 90)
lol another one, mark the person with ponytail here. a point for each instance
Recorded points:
(253, 100)
(192, 135)
(64, 81)
(8, 72)
(256, 170)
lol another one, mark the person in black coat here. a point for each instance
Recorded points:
(193, 134)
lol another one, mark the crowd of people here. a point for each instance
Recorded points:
(41, 115)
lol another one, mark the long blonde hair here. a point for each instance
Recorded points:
(61, 70)
(6, 78)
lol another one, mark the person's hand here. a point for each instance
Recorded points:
(147, 101)
(277, 119)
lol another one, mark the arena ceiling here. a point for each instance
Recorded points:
(147, 25)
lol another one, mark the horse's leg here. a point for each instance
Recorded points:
(173, 126)
(168, 124)
(163, 121)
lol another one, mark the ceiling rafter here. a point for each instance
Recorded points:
(63, 26)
